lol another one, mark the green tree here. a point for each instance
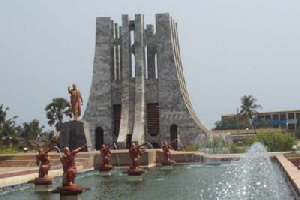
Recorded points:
(248, 107)
(7, 126)
(31, 131)
(56, 111)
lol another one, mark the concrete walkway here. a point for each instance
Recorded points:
(291, 171)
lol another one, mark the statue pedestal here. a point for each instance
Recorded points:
(74, 134)
(135, 174)
(71, 197)
(70, 192)
(105, 173)
(167, 164)
(105, 170)
(135, 178)
(42, 184)
(43, 188)
(166, 167)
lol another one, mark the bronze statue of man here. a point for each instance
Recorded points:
(76, 101)
(106, 155)
(135, 153)
(69, 165)
(167, 152)
(43, 161)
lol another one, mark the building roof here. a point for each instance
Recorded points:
(266, 113)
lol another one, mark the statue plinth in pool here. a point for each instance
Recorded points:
(135, 153)
(43, 182)
(167, 152)
(69, 173)
(106, 167)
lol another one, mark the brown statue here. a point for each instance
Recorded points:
(135, 153)
(76, 101)
(167, 152)
(69, 165)
(43, 161)
(106, 155)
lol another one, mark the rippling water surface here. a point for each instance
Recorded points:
(257, 178)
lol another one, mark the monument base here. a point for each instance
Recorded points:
(74, 134)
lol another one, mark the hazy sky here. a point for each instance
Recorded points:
(229, 48)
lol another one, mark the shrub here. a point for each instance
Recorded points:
(192, 148)
(273, 141)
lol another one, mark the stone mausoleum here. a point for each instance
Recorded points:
(138, 92)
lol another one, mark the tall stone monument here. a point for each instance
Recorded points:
(138, 92)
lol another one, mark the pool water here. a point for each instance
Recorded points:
(183, 182)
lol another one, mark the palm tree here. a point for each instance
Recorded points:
(56, 111)
(248, 107)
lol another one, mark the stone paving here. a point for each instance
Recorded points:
(291, 171)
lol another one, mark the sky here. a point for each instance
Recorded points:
(229, 49)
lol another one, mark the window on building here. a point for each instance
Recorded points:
(291, 116)
(260, 118)
(282, 116)
(268, 117)
(275, 117)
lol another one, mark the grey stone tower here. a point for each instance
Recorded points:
(138, 92)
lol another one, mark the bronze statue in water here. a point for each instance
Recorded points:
(69, 165)
(76, 101)
(106, 156)
(43, 161)
(167, 152)
(135, 153)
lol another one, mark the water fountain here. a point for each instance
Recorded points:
(252, 177)
(58, 150)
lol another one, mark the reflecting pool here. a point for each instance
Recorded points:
(183, 182)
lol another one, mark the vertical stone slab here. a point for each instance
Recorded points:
(138, 134)
(99, 109)
(150, 51)
(117, 53)
(175, 105)
(126, 76)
